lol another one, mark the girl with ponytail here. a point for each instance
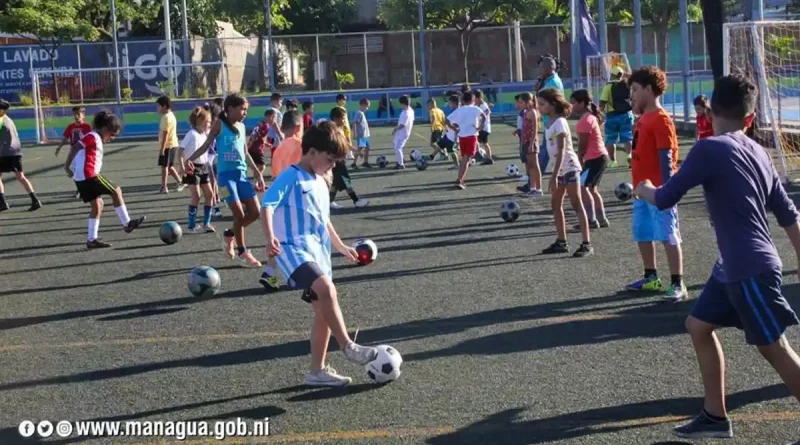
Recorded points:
(593, 155)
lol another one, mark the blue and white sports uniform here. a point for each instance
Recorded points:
(300, 203)
(232, 164)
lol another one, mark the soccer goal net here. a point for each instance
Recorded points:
(599, 69)
(130, 90)
(769, 54)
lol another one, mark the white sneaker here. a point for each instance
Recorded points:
(198, 229)
(327, 377)
(181, 187)
(335, 206)
(360, 354)
(362, 202)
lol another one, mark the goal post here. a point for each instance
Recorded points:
(599, 68)
(56, 92)
(768, 52)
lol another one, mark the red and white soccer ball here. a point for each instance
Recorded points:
(367, 251)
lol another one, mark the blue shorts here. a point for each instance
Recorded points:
(362, 143)
(755, 305)
(650, 224)
(234, 186)
(619, 128)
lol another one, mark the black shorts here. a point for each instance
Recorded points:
(198, 176)
(436, 136)
(92, 188)
(10, 164)
(483, 137)
(168, 158)
(304, 277)
(593, 171)
(341, 177)
(258, 157)
(446, 144)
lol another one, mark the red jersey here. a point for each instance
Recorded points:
(258, 137)
(654, 132)
(308, 121)
(75, 132)
(704, 128)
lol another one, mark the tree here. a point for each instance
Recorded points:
(53, 22)
(464, 15)
(317, 16)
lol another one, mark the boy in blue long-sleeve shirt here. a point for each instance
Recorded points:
(744, 289)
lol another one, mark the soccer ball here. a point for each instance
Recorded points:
(510, 211)
(367, 251)
(481, 154)
(472, 161)
(421, 163)
(512, 170)
(415, 154)
(386, 367)
(623, 191)
(170, 232)
(382, 161)
(204, 282)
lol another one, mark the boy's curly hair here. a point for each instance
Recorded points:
(651, 76)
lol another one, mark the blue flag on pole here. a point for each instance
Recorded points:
(590, 43)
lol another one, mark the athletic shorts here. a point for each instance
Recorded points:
(483, 137)
(363, 143)
(619, 128)
(446, 144)
(593, 171)
(258, 156)
(754, 305)
(468, 146)
(568, 178)
(168, 158)
(235, 187)
(651, 224)
(304, 277)
(10, 164)
(524, 148)
(92, 188)
(436, 136)
(198, 177)
(341, 177)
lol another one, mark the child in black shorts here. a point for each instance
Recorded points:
(168, 143)
(11, 158)
(197, 178)
(341, 177)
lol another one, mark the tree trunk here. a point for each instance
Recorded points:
(262, 72)
(465, 36)
(662, 34)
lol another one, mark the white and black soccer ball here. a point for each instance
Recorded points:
(510, 211)
(623, 191)
(473, 161)
(481, 154)
(170, 232)
(386, 367)
(382, 161)
(421, 163)
(512, 170)
(204, 282)
(367, 251)
(415, 154)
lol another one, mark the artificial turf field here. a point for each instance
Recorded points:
(501, 345)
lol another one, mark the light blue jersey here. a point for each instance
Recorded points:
(231, 149)
(300, 202)
(554, 81)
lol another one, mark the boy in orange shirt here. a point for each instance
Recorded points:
(287, 154)
(654, 158)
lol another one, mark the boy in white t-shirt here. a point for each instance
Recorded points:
(565, 179)
(402, 131)
(486, 130)
(466, 121)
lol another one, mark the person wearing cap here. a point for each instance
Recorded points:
(615, 102)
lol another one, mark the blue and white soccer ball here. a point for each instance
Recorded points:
(415, 154)
(623, 191)
(170, 232)
(510, 211)
(512, 170)
(382, 161)
(386, 366)
(421, 163)
(204, 282)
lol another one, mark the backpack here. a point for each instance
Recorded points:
(621, 97)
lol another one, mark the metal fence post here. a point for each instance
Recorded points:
(291, 63)
(80, 75)
(366, 61)
(685, 56)
(510, 56)
(637, 27)
(558, 41)
(414, 58)
(318, 73)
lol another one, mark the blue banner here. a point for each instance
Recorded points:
(590, 43)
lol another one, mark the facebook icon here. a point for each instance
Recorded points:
(27, 428)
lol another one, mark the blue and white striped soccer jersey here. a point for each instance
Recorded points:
(301, 210)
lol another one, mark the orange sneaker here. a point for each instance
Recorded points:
(248, 260)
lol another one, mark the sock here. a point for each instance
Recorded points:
(650, 273)
(676, 280)
(352, 194)
(33, 196)
(94, 225)
(228, 233)
(192, 217)
(713, 417)
(589, 206)
(269, 271)
(122, 213)
(242, 250)
(206, 215)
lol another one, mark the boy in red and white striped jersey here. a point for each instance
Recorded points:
(88, 157)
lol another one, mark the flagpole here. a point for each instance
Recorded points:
(601, 17)
(576, 50)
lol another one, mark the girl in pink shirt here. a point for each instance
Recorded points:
(593, 156)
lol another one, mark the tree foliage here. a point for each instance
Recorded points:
(53, 22)
(317, 16)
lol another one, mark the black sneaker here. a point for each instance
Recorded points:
(702, 427)
(432, 156)
(605, 224)
(366, 165)
(354, 166)
(4, 205)
(592, 225)
(557, 247)
(399, 167)
(97, 243)
(585, 249)
(488, 162)
(525, 188)
(36, 205)
(134, 223)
